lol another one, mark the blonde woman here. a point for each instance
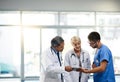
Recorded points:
(76, 58)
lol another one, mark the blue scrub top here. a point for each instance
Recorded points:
(108, 75)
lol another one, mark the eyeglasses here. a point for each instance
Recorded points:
(92, 43)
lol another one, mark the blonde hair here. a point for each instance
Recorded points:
(75, 39)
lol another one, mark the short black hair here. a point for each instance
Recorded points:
(94, 36)
(56, 41)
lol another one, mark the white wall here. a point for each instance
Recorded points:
(61, 5)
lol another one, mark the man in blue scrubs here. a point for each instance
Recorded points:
(103, 63)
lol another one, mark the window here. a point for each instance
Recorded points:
(47, 35)
(31, 51)
(39, 18)
(77, 18)
(10, 51)
(9, 18)
(108, 19)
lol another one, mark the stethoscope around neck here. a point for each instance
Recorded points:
(82, 60)
(54, 51)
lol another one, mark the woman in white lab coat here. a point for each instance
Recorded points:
(51, 63)
(77, 58)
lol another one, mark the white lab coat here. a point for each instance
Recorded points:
(50, 67)
(72, 60)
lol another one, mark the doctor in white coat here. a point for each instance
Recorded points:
(76, 58)
(51, 63)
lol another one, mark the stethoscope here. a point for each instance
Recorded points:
(73, 55)
(54, 51)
